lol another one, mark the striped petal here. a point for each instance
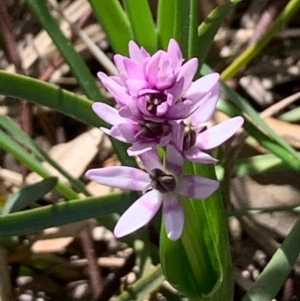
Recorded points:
(120, 177)
(218, 134)
(197, 187)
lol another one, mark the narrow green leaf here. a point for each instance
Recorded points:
(182, 25)
(210, 26)
(28, 195)
(12, 147)
(76, 63)
(277, 270)
(113, 19)
(58, 99)
(15, 132)
(165, 21)
(143, 286)
(34, 220)
(142, 23)
(193, 34)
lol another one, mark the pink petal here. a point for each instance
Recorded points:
(139, 148)
(118, 92)
(205, 85)
(114, 132)
(174, 160)
(107, 113)
(122, 177)
(218, 134)
(180, 110)
(175, 54)
(196, 155)
(151, 160)
(135, 85)
(128, 130)
(136, 53)
(187, 72)
(139, 213)
(197, 187)
(173, 216)
(206, 106)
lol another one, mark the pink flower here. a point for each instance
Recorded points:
(192, 137)
(144, 135)
(152, 86)
(160, 187)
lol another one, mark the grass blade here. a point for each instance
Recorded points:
(113, 19)
(209, 27)
(275, 273)
(77, 65)
(142, 23)
(28, 195)
(165, 21)
(34, 220)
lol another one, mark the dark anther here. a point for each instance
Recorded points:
(162, 181)
(151, 129)
(189, 138)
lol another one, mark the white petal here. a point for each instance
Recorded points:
(197, 187)
(139, 213)
(120, 177)
(173, 216)
(218, 134)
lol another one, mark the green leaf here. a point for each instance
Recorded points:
(182, 25)
(76, 63)
(210, 26)
(28, 195)
(142, 23)
(12, 147)
(193, 47)
(58, 99)
(165, 21)
(34, 220)
(113, 19)
(271, 279)
(202, 254)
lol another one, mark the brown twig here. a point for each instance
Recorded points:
(93, 269)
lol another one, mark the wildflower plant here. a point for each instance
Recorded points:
(162, 132)
(160, 106)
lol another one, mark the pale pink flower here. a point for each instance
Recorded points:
(160, 187)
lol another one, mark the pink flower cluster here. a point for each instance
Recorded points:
(159, 105)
